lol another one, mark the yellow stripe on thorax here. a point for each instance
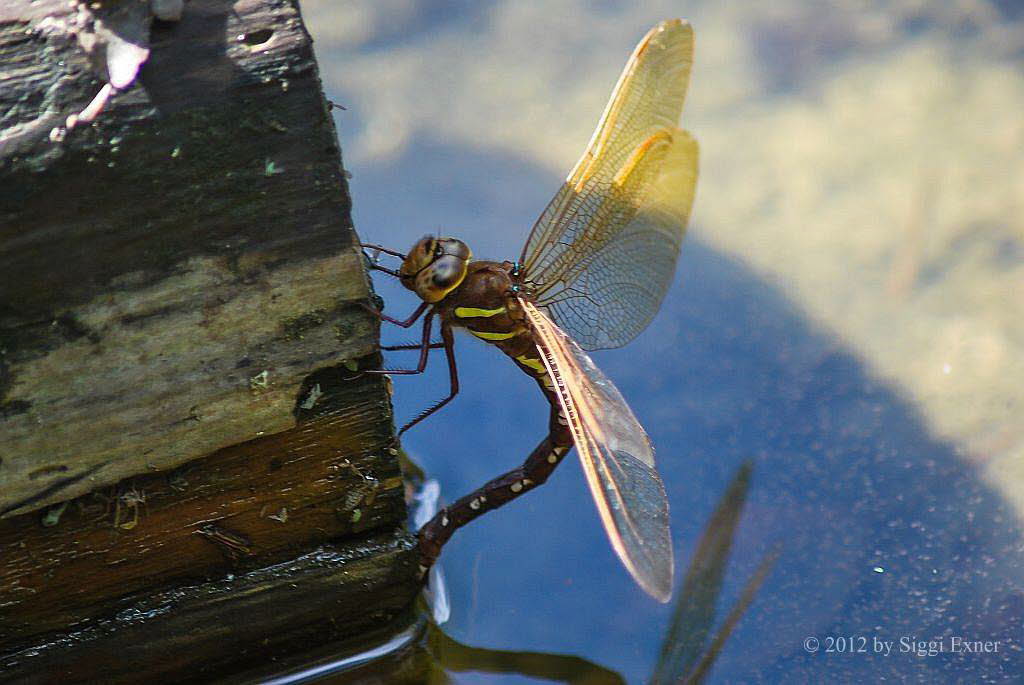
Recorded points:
(474, 312)
(487, 335)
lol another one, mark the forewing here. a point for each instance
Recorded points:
(603, 252)
(617, 457)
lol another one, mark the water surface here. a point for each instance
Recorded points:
(803, 346)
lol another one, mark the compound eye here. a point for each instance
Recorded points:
(446, 272)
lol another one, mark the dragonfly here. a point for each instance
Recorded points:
(592, 275)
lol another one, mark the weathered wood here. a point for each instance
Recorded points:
(183, 416)
(173, 271)
(248, 505)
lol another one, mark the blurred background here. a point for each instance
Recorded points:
(846, 313)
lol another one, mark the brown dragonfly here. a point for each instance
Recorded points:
(591, 276)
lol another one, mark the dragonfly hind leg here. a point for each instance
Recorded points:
(448, 343)
(534, 471)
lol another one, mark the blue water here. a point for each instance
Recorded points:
(885, 532)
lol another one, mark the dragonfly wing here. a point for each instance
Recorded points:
(603, 252)
(617, 457)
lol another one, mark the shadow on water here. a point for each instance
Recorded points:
(886, 533)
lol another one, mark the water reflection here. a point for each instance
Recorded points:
(425, 653)
(452, 656)
(686, 654)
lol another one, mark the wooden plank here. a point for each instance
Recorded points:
(172, 272)
(331, 477)
(183, 413)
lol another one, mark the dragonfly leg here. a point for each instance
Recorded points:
(411, 346)
(372, 261)
(534, 471)
(453, 375)
(424, 348)
(385, 250)
(398, 322)
(389, 272)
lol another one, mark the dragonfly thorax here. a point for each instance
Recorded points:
(434, 267)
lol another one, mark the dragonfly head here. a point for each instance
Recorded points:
(434, 267)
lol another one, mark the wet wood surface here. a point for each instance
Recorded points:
(207, 632)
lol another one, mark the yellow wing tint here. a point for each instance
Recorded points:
(617, 457)
(649, 96)
(603, 252)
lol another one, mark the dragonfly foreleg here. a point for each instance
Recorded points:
(385, 250)
(534, 471)
(389, 272)
(398, 322)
